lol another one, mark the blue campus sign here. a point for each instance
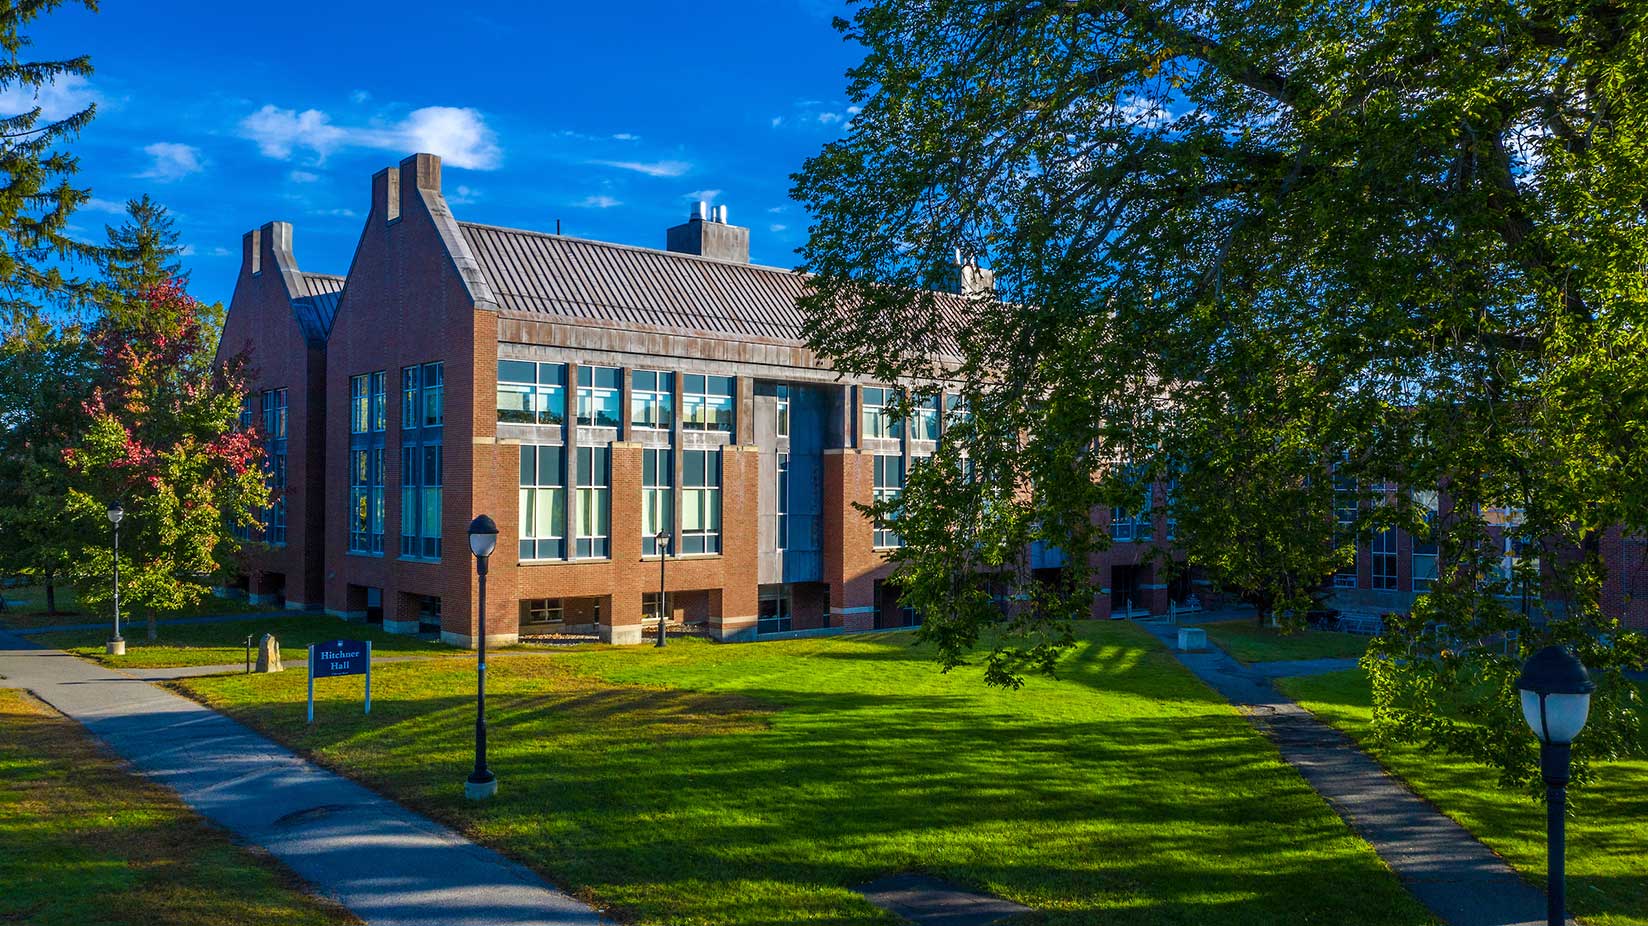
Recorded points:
(339, 657)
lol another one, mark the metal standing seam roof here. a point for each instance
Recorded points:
(317, 306)
(535, 274)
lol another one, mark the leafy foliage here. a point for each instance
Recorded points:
(1250, 247)
(37, 195)
(162, 438)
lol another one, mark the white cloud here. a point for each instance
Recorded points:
(463, 195)
(829, 118)
(777, 209)
(599, 201)
(303, 176)
(65, 96)
(702, 196)
(335, 213)
(188, 251)
(650, 168)
(776, 228)
(777, 121)
(359, 96)
(854, 110)
(460, 136)
(172, 161)
(626, 136)
(104, 205)
(221, 252)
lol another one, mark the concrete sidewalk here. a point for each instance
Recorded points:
(1461, 880)
(390, 866)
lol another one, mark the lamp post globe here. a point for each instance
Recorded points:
(483, 539)
(663, 541)
(117, 644)
(1556, 692)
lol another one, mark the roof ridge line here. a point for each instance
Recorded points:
(635, 247)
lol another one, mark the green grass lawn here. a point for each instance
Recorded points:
(84, 842)
(757, 783)
(26, 608)
(225, 642)
(1248, 642)
(1607, 840)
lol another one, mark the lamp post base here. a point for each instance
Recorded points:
(481, 790)
(115, 648)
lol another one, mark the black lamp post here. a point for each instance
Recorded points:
(483, 539)
(663, 541)
(117, 644)
(1556, 699)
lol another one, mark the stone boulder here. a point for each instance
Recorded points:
(268, 658)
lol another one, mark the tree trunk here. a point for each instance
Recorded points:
(151, 623)
(51, 592)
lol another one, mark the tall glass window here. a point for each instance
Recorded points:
(1345, 510)
(706, 402)
(594, 502)
(531, 393)
(651, 399)
(434, 394)
(543, 503)
(274, 465)
(360, 403)
(423, 412)
(878, 417)
(599, 396)
(380, 409)
(1425, 545)
(657, 496)
(955, 409)
(924, 418)
(701, 501)
(782, 391)
(1384, 560)
(889, 485)
(366, 500)
(782, 502)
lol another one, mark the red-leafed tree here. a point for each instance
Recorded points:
(162, 438)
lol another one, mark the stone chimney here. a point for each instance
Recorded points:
(707, 234)
(967, 278)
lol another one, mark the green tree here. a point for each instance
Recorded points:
(37, 195)
(1416, 231)
(162, 438)
(45, 381)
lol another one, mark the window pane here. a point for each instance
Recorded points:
(516, 371)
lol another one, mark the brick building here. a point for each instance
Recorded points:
(589, 396)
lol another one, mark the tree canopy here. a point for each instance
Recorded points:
(1252, 247)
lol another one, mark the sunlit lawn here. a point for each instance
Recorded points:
(758, 783)
(1607, 839)
(26, 608)
(1248, 642)
(84, 842)
(224, 642)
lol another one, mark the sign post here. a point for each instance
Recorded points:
(340, 657)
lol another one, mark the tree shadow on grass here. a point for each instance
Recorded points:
(752, 808)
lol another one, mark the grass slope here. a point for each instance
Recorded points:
(1607, 840)
(83, 842)
(1248, 642)
(224, 643)
(744, 784)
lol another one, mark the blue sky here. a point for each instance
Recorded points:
(611, 117)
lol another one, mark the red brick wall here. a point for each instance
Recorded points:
(405, 304)
(260, 323)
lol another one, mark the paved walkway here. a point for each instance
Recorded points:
(390, 866)
(1462, 881)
